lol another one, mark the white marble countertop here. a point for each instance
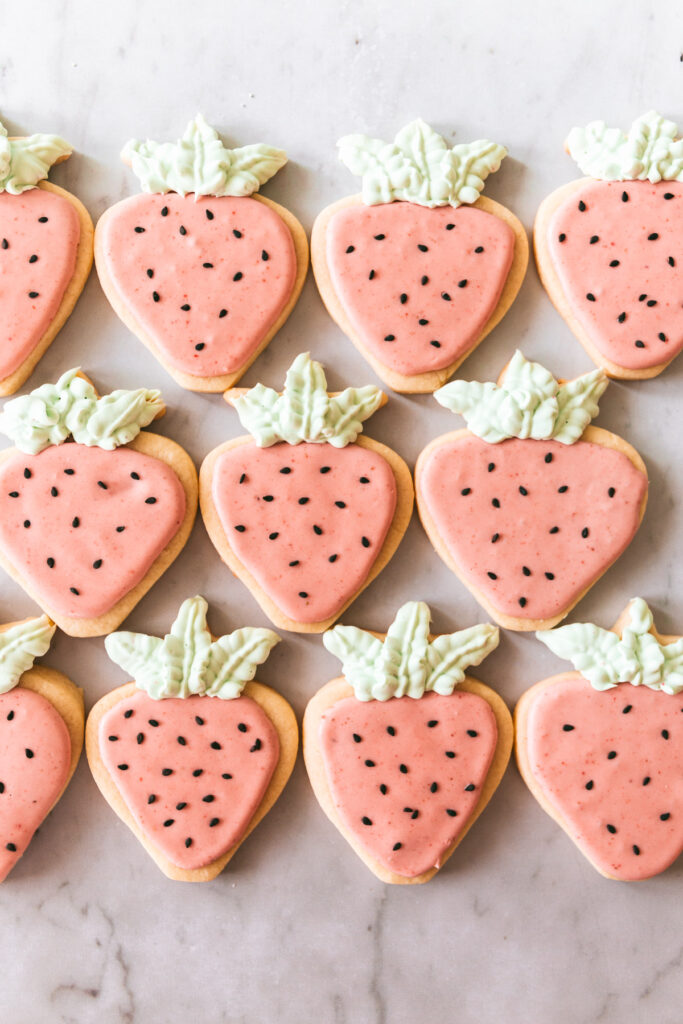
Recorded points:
(518, 926)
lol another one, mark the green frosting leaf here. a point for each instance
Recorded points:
(529, 403)
(419, 167)
(200, 163)
(52, 412)
(26, 161)
(406, 663)
(305, 411)
(20, 645)
(605, 660)
(187, 661)
(650, 151)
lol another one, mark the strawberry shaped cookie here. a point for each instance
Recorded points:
(199, 267)
(405, 751)
(531, 505)
(305, 512)
(193, 753)
(88, 525)
(46, 247)
(419, 268)
(601, 749)
(609, 247)
(41, 735)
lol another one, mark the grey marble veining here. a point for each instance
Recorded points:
(518, 926)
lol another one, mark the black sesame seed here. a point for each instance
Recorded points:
(594, 239)
(236, 233)
(664, 817)
(523, 491)
(268, 497)
(554, 529)
(216, 745)
(424, 279)
(612, 754)
(151, 798)
(11, 847)
(653, 237)
(122, 767)
(495, 502)
(449, 227)
(584, 532)
(222, 313)
(589, 784)
(182, 741)
(155, 296)
(295, 562)
(397, 846)
(209, 798)
(465, 491)
(590, 296)
(197, 772)
(27, 523)
(403, 768)
(240, 528)
(366, 820)
(42, 220)
(611, 829)
(75, 522)
(10, 716)
(621, 317)
(422, 322)
(582, 205)
(140, 737)
(568, 728)
(432, 722)
(463, 283)
(626, 709)
(550, 575)
(624, 197)
(185, 307)
(495, 538)
(450, 753)
(350, 248)
(661, 336)
(646, 780)
(100, 483)
(238, 276)
(256, 746)
(199, 346)
(414, 815)
(470, 788)
(302, 593)
(182, 230)
(167, 771)
(112, 739)
(74, 591)
(356, 738)
(15, 494)
(491, 467)
(5, 243)
(371, 275)
(169, 822)
(208, 266)
(380, 238)
(436, 344)
(422, 248)
(665, 734)
(273, 536)
(391, 730)
(242, 727)
(671, 261)
(317, 530)
(611, 492)
(445, 296)
(27, 473)
(668, 195)
(128, 713)
(33, 259)
(526, 570)
(480, 248)
(563, 489)
(304, 501)
(362, 479)
(651, 302)
(614, 263)
(139, 230)
(636, 850)
(562, 237)
(365, 542)
(522, 602)
(226, 775)
(369, 763)
(492, 576)
(403, 298)
(135, 476)
(153, 722)
(214, 822)
(340, 504)
(164, 211)
(390, 337)
(29, 753)
(264, 255)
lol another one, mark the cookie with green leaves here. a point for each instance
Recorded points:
(404, 750)
(304, 510)
(199, 266)
(530, 505)
(601, 748)
(608, 245)
(41, 735)
(420, 267)
(193, 753)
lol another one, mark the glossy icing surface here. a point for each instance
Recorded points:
(381, 803)
(231, 260)
(310, 534)
(35, 755)
(372, 275)
(53, 515)
(513, 551)
(54, 242)
(565, 761)
(633, 269)
(207, 788)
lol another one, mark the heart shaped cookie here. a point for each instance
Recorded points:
(41, 735)
(530, 505)
(304, 511)
(609, 247)
(601, 749)
(193, 753)
(87, 526)
(405, 751)
(420, 268)
(46, 250)
(199, 267)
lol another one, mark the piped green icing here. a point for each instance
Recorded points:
(528, 402)
(20, 645)
(605, 660)
(53, 412)
(420, 167)
(304, 411)
(26, 161)
(650, 151)
(200, 163)
(406, 663)
(187, 661)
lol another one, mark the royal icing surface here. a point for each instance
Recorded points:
(307, 521)
(61, 528)
(398, 769)
(531, 523)
(617, 248)
(192, 770)
(230, 261)
(417, 284)
(615, 776)
(39, 235)
(35, 756)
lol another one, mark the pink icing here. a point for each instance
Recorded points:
(200, 341)
(421, 747)
(54, 242)
(647, 282)
(563, 762)
(35, 757)
(329, 566)
(493, 546)
(432, 280)
(235, 774)
(77, 527)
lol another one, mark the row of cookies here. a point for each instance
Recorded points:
(416, 271)
(403, 751)
(528, 506)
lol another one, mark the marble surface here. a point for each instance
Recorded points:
(518, 926)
